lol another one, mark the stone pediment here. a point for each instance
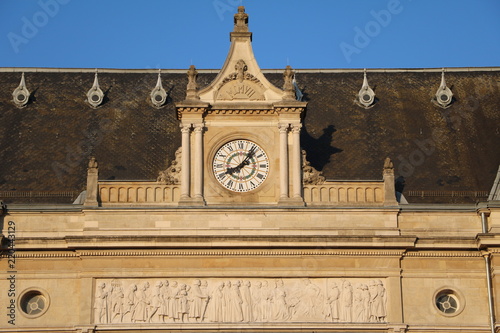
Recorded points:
(240, 85)
(240, 78)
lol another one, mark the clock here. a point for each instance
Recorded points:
(241, 165)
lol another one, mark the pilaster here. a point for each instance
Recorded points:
(284, 192)
(92, 186)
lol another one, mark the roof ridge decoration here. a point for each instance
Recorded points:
(240, 78)
(21, 94)
(158, 94)
(366, 95)
(95, 96)
(444, 96)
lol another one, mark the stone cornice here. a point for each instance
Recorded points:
(314, 242)
(209, 253)
(245, 253)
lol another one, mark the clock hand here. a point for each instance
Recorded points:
(245, 162)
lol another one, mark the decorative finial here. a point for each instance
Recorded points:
(241, 20)
(388, 165)
(21, 94)
(192, 86)
(288, 87)
(92, 163)
(95, 96)
(444, 96)
(366, 95)
(158, 94)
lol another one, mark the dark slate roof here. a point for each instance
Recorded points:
(46, 145)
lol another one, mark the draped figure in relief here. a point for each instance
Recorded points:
(182, 303)
(377, 301)
(100, 304)
(281, 311)
(216, 307)
(117, 303)
(173, 303)
(247, 304)
(332, 308)
(258, 308)
(235, 302)
(141, 307)
(346, 302)
(198, 301)
(156, 302)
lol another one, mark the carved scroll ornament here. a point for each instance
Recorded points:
(240, 85)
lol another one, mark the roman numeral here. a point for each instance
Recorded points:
(263, 166)
(260, 176)
(229, 183)
(240, 145)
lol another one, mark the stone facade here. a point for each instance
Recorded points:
(299, 253)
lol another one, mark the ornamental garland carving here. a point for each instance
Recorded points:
(218, 300)
(310, 176)
(172, 175)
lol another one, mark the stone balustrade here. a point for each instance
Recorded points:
(138, 193)
(330, 193)
(345, 193)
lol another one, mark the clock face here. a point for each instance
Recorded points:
(241, 165)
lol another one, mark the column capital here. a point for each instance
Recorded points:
(198, 127)
(185, 128)
(296, 128)
(283, 128)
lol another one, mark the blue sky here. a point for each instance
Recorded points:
(303, 34)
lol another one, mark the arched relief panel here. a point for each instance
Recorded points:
(113, 194)
(159, 195)
(307, 194)
(334, 194)
(351, 195)
(122, 194)
(370, 195)
(342, 194)
(176, 194)
(149, 194)
(316, 195)
(325, 194)
(104, 194)
(379, 195)
(360, 194)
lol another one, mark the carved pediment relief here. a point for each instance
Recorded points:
(240, 85)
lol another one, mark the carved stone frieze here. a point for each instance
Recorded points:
(236, 300)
